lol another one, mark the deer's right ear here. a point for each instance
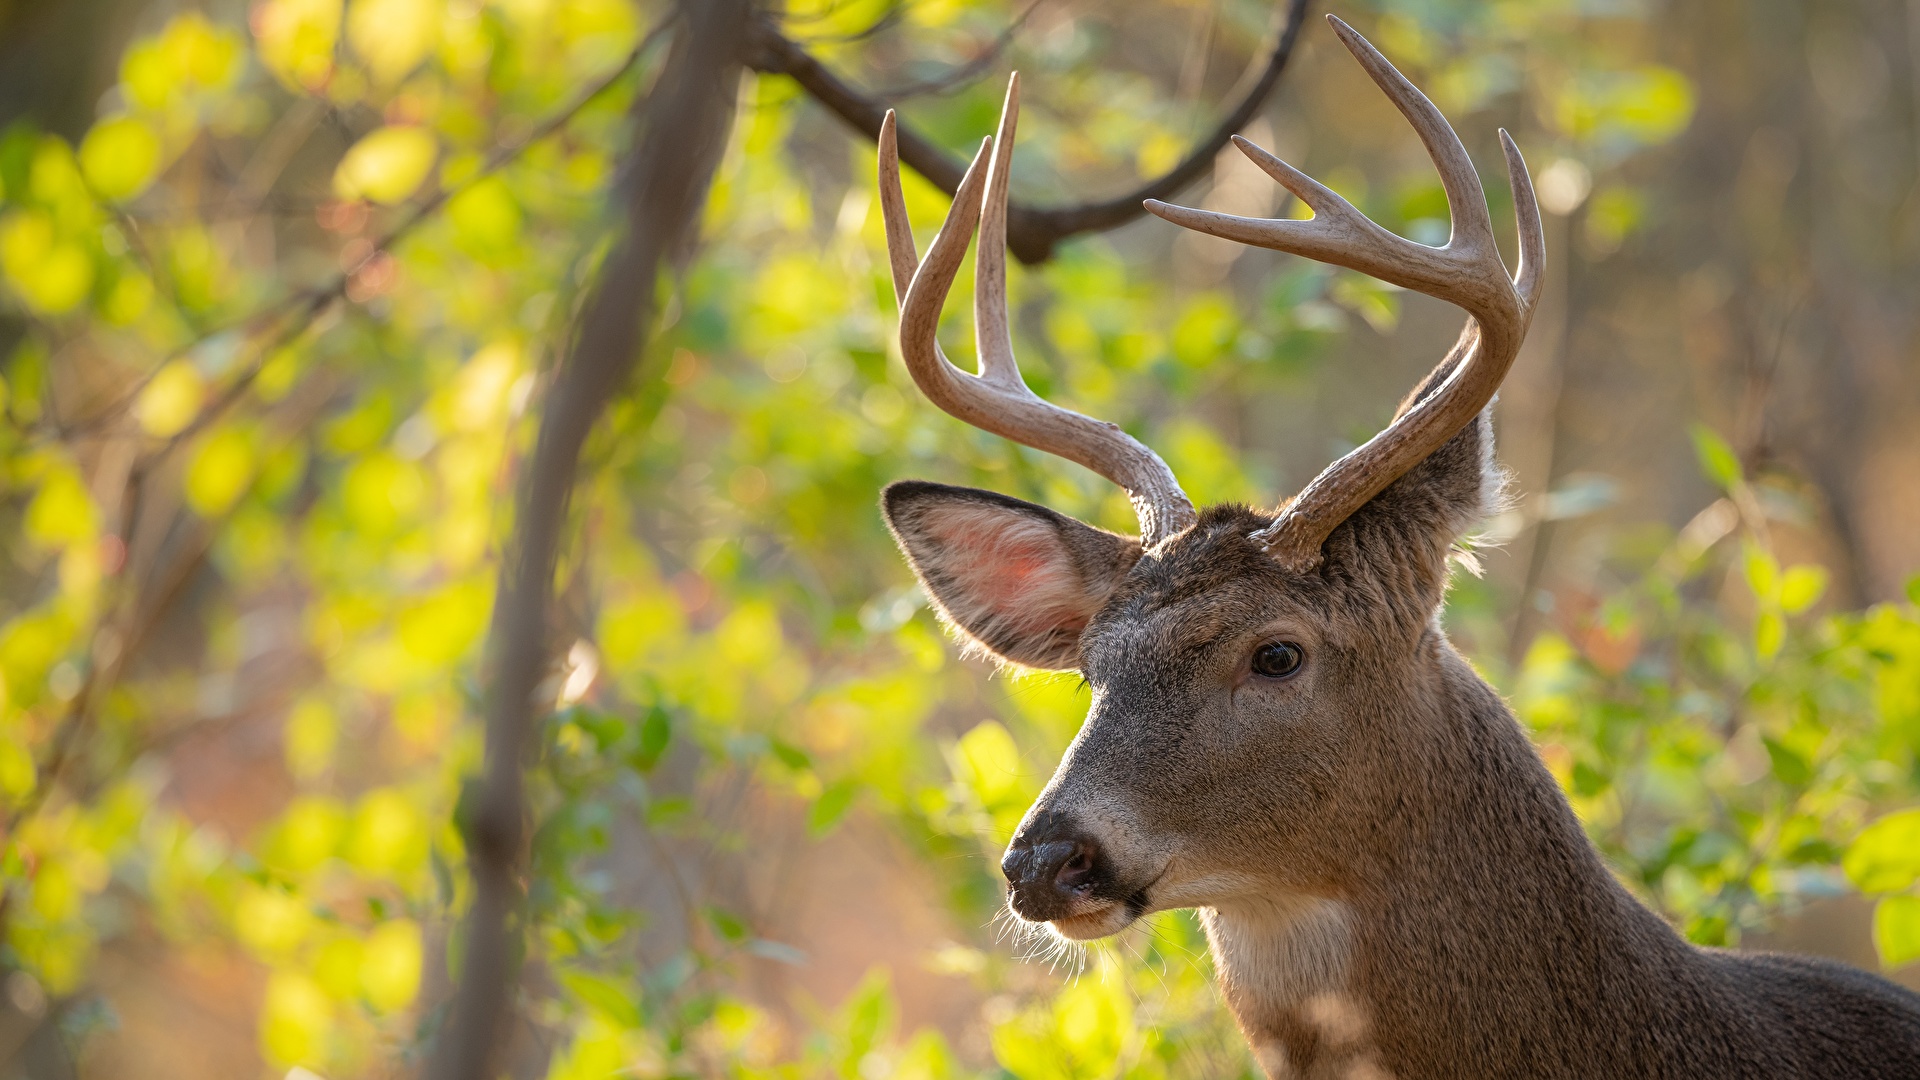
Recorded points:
(1017, 580)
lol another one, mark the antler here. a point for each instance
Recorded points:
(998, 399)
(1467, 272)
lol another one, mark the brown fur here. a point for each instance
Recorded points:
(1392, 881)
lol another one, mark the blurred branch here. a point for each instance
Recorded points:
(962, 73)
(1032, 232)
(680, 134)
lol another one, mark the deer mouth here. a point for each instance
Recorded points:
(1108, 919)
(1102, 916)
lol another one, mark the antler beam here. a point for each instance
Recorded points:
(998, 399)
(1466, 272)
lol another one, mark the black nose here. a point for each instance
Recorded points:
(1049, 865)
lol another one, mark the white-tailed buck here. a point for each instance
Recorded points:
(1280, 734)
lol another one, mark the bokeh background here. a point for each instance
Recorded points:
(258, 463)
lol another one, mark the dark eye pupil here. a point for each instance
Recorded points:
(1278, 659)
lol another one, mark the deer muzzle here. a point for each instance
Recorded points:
(1052, 873)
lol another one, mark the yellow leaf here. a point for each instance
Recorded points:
(1800, 588)
(220, 472)
(987, 761)
(271, 921)
(312, 732)
(171, 399)
(393, 36)
(51, 274)
(119, 157)
(131, 296)
(1885, 857)
(389, 835)
(485, 217)
(484, 385)
(386, 166)
(146, 75)
(337, 966)
(295, 1020)
(390, 965)
(296, 39)
(308, 834)
(1769, 633)
(62, 513)
(443, 627)
(17, 774)
(1896, 930)
(381, 490)
(1763, 574)
(201, 52)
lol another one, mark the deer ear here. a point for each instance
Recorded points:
(1015, 579)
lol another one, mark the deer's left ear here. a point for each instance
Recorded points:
(1017, 580)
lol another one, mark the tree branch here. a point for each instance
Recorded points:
(1032, 231)
(680, 134)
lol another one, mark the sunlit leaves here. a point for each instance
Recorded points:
(295, 1020)
(1896, 930)
(1717, 459)
(296, 39)
(1885, 857)
(119, 157)
(51, 274)
(220, 471)
(387, 165)
(1646, 105)
(191, 55)
(393, 36)
(485, 219)
(388, 835)
(390, 965)
(62, 512)
(1082, 1034)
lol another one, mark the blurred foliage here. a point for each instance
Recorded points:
(244, 512)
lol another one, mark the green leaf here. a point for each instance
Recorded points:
(1718, 462)
(726, 924)
(668, 810)
(1896, 930)
(1788, 766)
(656, 730)
(789, 755)
(831, 806)
(1885, 857)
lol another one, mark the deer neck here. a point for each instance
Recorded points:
(1486, 902)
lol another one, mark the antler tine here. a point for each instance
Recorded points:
(998, 400)
(1526, 216)
(1467, 272)
(902, 256)
(990, 330)
(1466, 199)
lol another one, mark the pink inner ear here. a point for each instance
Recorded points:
(1010, 569)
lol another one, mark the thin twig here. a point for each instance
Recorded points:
(966, 73)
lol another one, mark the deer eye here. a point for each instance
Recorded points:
(1278, 659)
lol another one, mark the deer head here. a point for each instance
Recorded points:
(1261, 682)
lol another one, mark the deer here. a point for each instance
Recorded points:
(1279, 733)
